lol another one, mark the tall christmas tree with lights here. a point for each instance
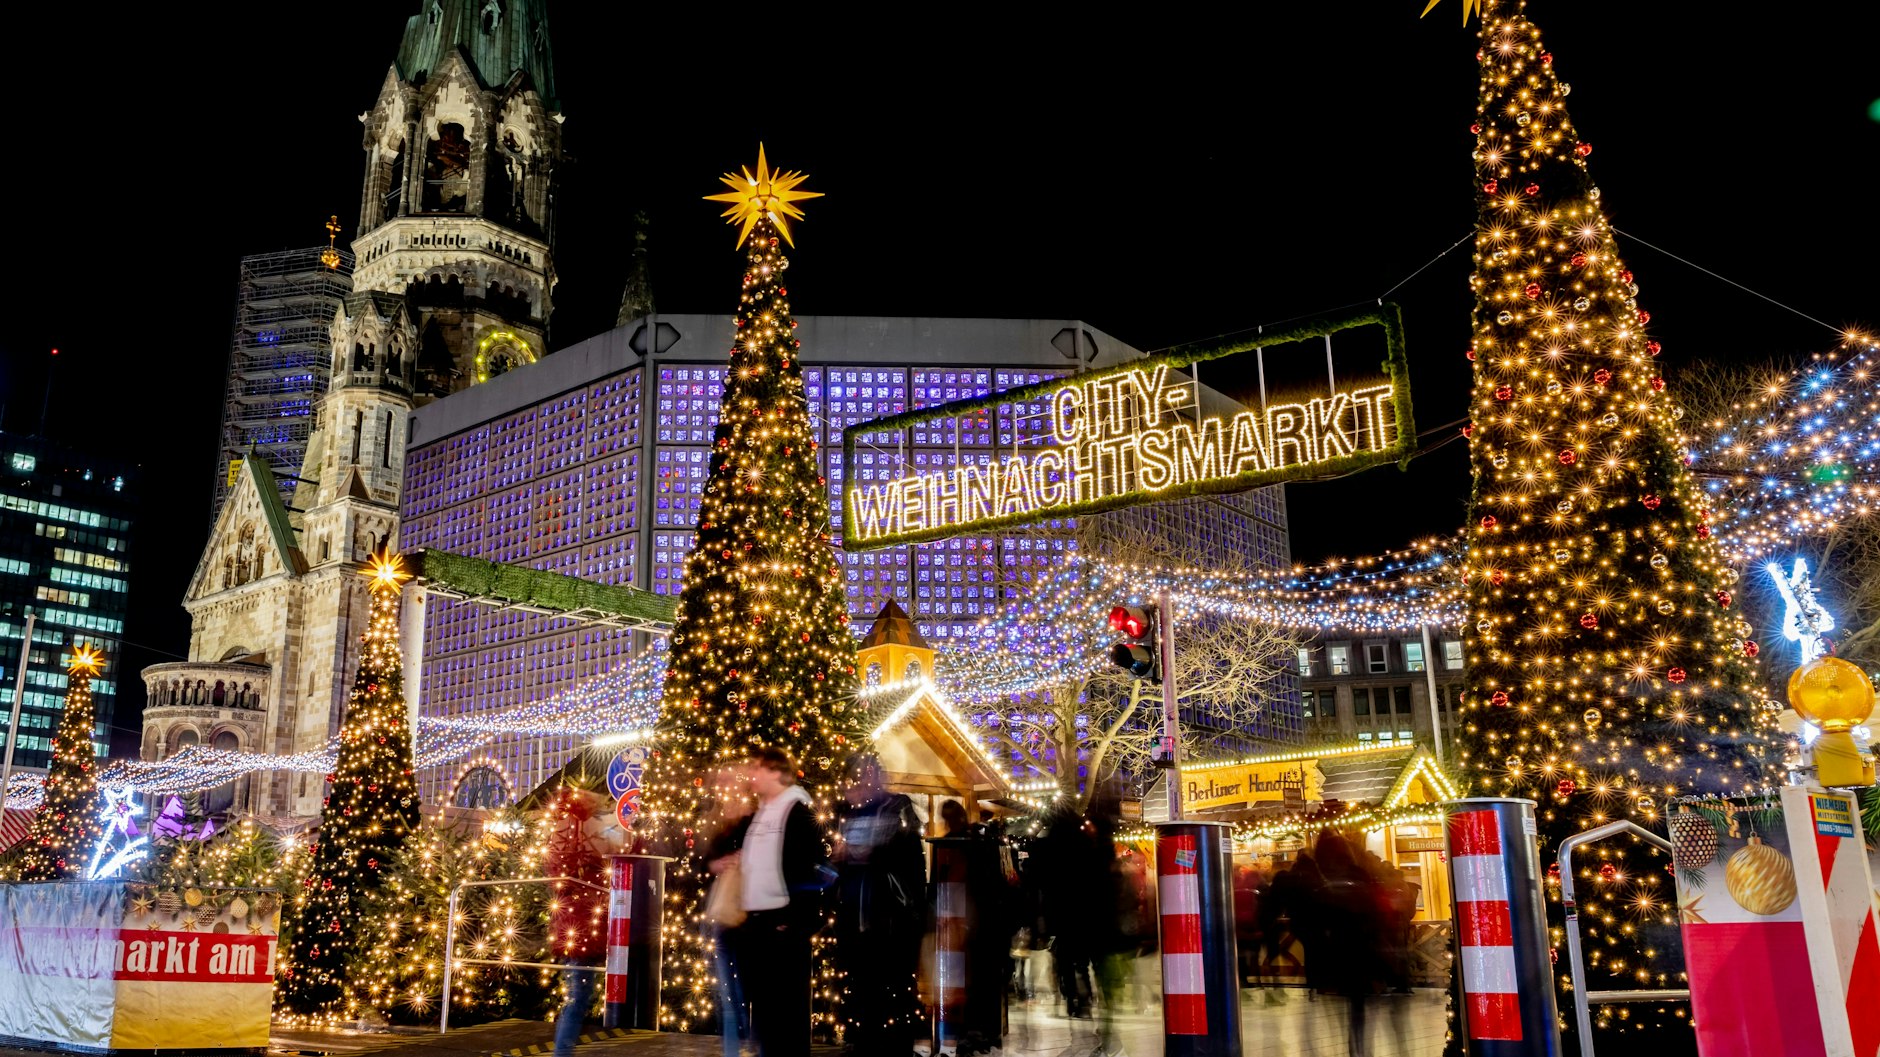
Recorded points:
(761, 650)
(67, 828)
(371, 806)
(1610, 672)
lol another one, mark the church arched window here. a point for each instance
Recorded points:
(447, 171)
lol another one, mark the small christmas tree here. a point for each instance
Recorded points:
(761, 649)
(370, 808)
(1609, 671)
(67, 828)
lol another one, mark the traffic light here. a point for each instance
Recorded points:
(1137, 652)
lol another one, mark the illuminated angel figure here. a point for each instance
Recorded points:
(1804, 620)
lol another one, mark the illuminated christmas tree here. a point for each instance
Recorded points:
(761, 650)
(67, 828)
(1609, 670)
(371, 807)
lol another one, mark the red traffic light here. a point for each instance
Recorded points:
(1130, 620)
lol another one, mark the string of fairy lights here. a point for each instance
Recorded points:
(1793, 459)
(625, 701)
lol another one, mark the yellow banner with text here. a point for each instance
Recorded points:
(1229, 785)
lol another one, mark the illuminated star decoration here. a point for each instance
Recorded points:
(1468, 8)
(87, 658)
(767, 194)
(120, 812)
(386, 568)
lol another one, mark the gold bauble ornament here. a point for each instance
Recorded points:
(1760, 878)
(1831, 693)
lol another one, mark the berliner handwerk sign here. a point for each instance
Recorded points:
(1124, 435)
(1229, 785)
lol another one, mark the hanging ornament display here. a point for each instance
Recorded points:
(1694, 840)
(1760, 878)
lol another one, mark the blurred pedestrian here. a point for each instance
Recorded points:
(1066, 904)
(782, 872)
(880, 912)
(1350, 902)
(987, 944)
(724, 910)
(582, 831)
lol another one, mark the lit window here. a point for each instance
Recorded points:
(1341, 660)
(1375, 658)
(1413, 656)
(1305, 661)
(1452, 654)
(23, 462)
(1308, 703)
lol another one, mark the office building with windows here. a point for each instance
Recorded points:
(279, 359)
(65, 520)
(1376, 690)
(592, 463)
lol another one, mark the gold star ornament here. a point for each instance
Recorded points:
(765, 194)
(1469, 7)
(86, 659)
(386, 568)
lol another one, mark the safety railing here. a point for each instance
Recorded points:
(450, 940)
(1582, 998)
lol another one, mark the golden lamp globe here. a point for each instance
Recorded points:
(1831, 693)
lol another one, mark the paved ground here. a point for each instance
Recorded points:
(1298, 1026)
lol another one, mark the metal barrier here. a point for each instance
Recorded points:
(450, 940)
(1582, 998)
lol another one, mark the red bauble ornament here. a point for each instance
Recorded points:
(1658, 385)
(1703, 532)
(1723, 599)
(1531, 190)
(1553, 874)
(1491, 185)
(1564, 787)
(1547, 58)
(1602, 376)
(1468, 431)
(1608, 871)
(1651, 502)
(1644, 317)
(1488, 522)
(1750, 649)
(1532, 290)
(1470, 354)
(1499, 699)
(1582, 149)
(1654, 348)
(1497, 577)
(1589, 621)
(1578, 260)
(1626, 276)
(1676, 675)
(1503, 392)
(783, 291)
(1568, 457)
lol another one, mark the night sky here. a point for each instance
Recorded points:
(1164, 178)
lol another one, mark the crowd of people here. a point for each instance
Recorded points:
(953, 927)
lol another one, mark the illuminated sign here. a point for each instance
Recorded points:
(1125, 435)
(1251, 783)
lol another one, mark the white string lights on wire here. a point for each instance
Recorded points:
(624, 701)
(1797, 458)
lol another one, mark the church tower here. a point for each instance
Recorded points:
(452, 285)
(457, 210)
